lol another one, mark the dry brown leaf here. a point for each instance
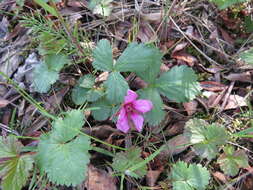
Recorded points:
(99, 180)
(191, 107)
(242, 77)
(152, 176)
(146, 33)
(212, 86)
(3, 102)
(180, 47)
(220, 176)
(153, 17)
(235, 101)
(183, 56)
(176, 145)
(175, 129)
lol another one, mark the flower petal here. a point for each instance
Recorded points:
(137, 120)
(122, 123)
(130, 97)
(142, 106)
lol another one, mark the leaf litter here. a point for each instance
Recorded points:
(216, 90)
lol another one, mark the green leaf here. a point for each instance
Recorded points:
(67, 128)
(62, 154)
(87, 81)
(48, 8)
(136, 57)
(156, 115)
(205, 137)
(102, 7)
(179, 84)
(102, 54)
(51, 43)
(247, 56)
(149, 75)
(64, 162)
(192, 177)
(116, 87)
(14, 171)
(46, 73)
(56, 62)
(43, 78)
(94, 94)
(231, 161)
(126, 160)
(223, 4)
(84, 90)
(106, 109)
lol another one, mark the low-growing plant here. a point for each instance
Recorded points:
(178, 84)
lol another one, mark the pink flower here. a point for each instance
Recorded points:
(132, 111)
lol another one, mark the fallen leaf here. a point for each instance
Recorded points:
(175, 129)
(235, 101)
(99, 180)
(146, 32)
(176, 145)
(153, 17)
(3, 102)
(220, 176)
(212, 86)
(242, 77)
(191, 107)
(152, 176)
(179, 47)
(183, 56)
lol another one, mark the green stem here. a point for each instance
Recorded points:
(28, 97)
(105, 143)
(103, 151)
(122, 181)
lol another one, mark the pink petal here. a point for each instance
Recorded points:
(142, 106)
(138, 121)
(122, 123)
(130, 97)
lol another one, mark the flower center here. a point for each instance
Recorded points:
(129, 108)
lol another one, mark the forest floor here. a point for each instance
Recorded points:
(131, 94)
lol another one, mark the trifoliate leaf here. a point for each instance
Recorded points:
(102, 54)
(179, 84)
(205, 137)
(125, 160)
(14, 169)
(64, 162)
(62, 154)
(247, 56)
(231, 161)
(116, 87)
(192, 177)
(223, 4)
(149, 75)
(156, 115)
(105, 109)
(136, 57)
(43, 78)
(67, 128)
